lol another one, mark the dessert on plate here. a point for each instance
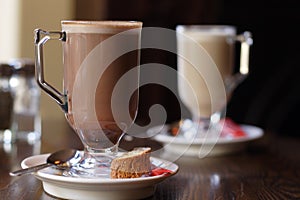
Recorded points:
(132, 164)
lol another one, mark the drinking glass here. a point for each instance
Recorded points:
(206, 55)
(96, 56)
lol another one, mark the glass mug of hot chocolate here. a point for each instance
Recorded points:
(206, 55)
(96, 54)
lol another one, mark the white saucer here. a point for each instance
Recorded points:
(202, 147)
(102, 188)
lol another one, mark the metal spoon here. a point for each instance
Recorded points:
(64, 158)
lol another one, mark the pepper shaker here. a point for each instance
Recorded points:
(6, 103)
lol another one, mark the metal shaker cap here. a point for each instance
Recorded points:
(23, 66)
(6, 70)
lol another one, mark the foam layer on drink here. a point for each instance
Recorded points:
(205, 30)
(99, 26)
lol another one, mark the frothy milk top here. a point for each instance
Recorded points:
(217, 30)
(74, 26)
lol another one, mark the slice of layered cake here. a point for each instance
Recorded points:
(132, 164)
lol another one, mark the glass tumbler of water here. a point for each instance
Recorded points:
(26, 121)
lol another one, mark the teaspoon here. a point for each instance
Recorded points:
(64, 158)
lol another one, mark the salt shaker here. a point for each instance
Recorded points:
(6, 103)
(26, 120)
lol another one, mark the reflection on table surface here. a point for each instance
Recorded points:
(268, 169)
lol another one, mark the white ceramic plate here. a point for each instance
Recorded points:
(102, 188)
(201, 147)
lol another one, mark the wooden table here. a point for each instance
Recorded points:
(268, 169)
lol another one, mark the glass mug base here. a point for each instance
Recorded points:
(93, 165)
(95, 162)
(200, 127)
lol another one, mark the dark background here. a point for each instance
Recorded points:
(270, 96)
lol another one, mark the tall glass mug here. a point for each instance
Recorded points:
(96, 55)
(206, 57)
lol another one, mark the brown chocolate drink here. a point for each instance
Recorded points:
(91, 73)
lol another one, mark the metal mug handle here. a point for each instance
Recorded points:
(246, 41)
(41, 37)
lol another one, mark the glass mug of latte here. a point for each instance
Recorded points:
(206, 55)
(96, 55)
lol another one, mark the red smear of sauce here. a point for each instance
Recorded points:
(174, 130)
(160, 171)
(231, 129)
